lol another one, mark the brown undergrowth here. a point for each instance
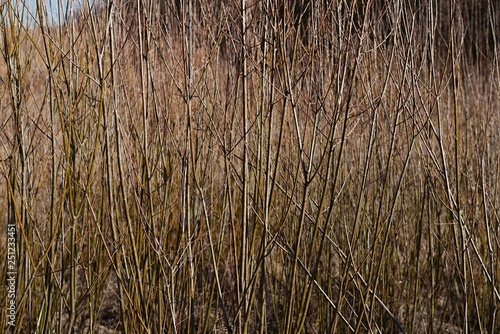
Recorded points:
(317, 167)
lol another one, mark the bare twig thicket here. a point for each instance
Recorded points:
(252, 166)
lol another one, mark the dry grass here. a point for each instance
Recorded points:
(330, 167)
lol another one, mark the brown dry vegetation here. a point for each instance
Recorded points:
(253, 166)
